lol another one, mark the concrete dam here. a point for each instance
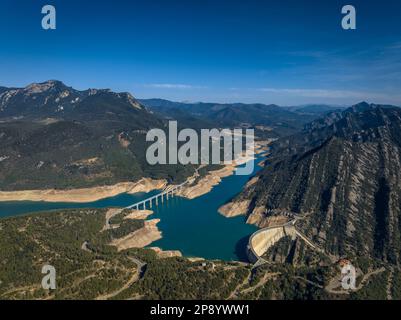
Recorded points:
(262, 240)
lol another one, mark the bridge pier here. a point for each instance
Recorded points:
(168, 194)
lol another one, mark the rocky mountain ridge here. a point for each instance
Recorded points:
(345, 176)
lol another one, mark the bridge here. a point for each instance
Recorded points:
(165, 195)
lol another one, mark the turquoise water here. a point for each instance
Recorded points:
(15, 208)
(192, 226)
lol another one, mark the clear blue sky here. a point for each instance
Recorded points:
(284, 52)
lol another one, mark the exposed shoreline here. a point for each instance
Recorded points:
(83, 195)
(205, 184)
(140, 238)
(237, 208)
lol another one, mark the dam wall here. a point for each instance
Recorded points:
(262, 240)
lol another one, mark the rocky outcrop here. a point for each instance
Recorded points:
(206, 183)
(139, 238)
(252, 182)
(147, 185)
(137, 214)
(233, 209)
(163, 254)
(260, 218)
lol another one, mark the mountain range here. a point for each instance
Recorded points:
(343, 172)
(268, 120)
(336, 171)
(54, 136)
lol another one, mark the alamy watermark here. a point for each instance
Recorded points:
(348, 22)
(348, 280)
(49, 280)
(210, 146)
(49, 20)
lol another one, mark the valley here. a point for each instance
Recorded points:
(324, 190)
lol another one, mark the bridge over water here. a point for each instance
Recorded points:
(163, 196)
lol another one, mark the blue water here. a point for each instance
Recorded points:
(193, 227)
(15, 208)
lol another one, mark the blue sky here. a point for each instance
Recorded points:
(286, 52)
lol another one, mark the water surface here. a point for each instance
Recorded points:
(193, 227)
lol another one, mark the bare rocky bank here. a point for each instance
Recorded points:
(142, 237)
(139, 238)
(85, 194)
(237, 208)
(198, 187)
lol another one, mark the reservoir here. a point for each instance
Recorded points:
(193, 227)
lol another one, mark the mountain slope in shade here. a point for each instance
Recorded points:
(346, 176)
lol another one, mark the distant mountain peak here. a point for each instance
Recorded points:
(53, 98)
(362, 106)
(131, 100)
(44, 86)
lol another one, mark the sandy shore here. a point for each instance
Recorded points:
(84, 194)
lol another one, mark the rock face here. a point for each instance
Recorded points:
(345, 173)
